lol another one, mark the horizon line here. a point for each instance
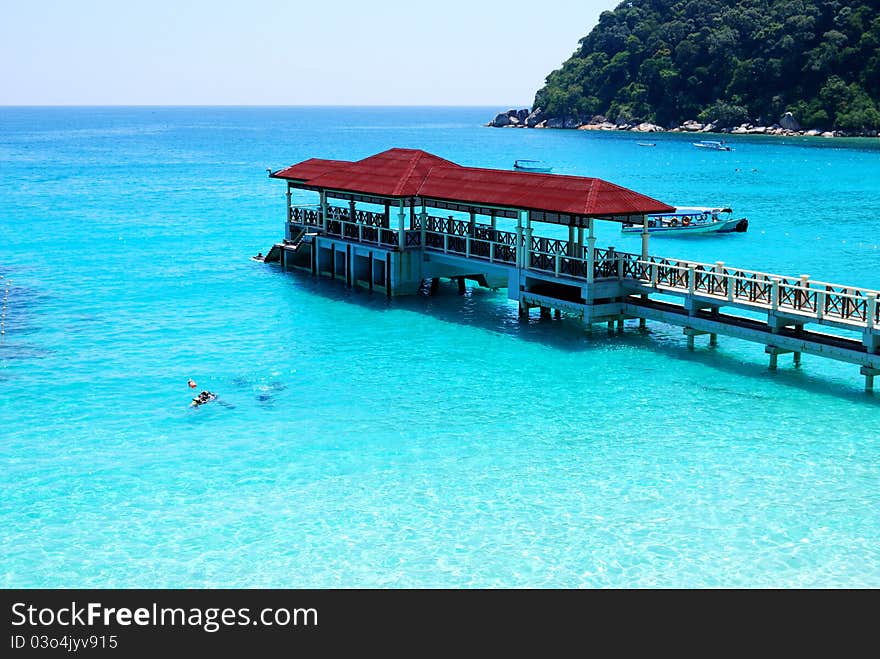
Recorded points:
(248, 105)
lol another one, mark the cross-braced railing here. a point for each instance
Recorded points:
(814, 301)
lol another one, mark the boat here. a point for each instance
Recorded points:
(646, 143)
(532, 166)
(712, 145)
(692, 220)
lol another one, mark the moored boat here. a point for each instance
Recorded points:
(692, 220)
(532, 166)
(712, 145)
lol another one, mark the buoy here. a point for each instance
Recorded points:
(192, 383)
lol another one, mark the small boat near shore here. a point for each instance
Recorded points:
(692, 220)
(538, 166)
(712, 145)
(646, 143)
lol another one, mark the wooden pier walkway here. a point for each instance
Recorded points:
(363, 247)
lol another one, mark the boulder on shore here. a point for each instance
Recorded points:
(501, 119)
(788, 122)
(646, 127)
(692, 126)
(536, 117)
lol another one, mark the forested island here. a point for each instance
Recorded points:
(722, 65)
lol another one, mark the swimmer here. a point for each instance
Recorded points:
(202, 398)
(191, 383)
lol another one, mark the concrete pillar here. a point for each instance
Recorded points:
(645, 238)
(351, 210)
(690, 338)
(557, 313)
(572, 247)
(401, 223)
(289, 202)
(324, 210)
(545, 312)
(774, 361)
(528, 240)
(620, 324)
(797, 359)
(461, 286)
(523, 310)
(591, 253)
(519, 240)
(713, 340)
(643, 324)
(423, 223)
(869, 383)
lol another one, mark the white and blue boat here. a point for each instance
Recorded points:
(692, 220)
(712, 145)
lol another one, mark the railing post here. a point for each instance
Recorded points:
(445, 242)
(467, 246)
(652, 269)
(692, 279)
(557, 261)
(871, 312)
(802, 296)
(491, 251)
(774, 293)
(719, 271)
(620, 263)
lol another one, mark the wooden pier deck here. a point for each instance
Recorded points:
(362, 247)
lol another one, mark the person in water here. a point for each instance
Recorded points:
(204, 397)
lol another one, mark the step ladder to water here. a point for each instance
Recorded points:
(291, 245)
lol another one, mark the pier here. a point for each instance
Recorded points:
(399, 221)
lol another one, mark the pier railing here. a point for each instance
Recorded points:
(814, 300)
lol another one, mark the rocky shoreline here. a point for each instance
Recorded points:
(786, 126)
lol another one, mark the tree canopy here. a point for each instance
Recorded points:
(727, 61)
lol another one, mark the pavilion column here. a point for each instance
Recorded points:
(351, 211)
(571, 239)
(289, 203)
(423, 224)
(387, 219)
(580, 243)
(519, 240)
(401, 222)
(528, 240)
(645, 238)
(324, 210)
(591, 252)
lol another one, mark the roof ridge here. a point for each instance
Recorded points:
(414, 161)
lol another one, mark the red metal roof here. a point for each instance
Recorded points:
(309, 169)
(415, 173)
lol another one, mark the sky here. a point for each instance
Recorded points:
(274, 52)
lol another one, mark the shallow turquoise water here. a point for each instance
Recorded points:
(419, 442)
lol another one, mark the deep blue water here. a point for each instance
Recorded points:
(418, 442)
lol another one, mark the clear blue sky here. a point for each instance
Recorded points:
(342, 52)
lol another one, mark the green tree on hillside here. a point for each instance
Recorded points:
(726, 61)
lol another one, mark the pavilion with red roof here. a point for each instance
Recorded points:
(388, 217)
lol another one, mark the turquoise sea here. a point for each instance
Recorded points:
(421, 441)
